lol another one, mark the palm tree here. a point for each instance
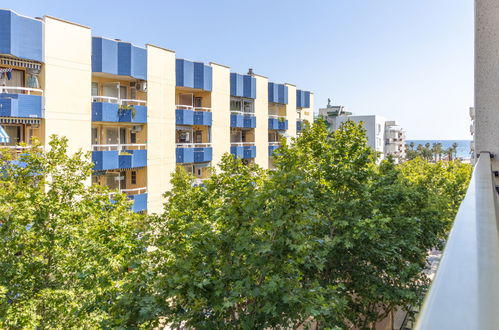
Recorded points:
(411, 145)
(454, 149)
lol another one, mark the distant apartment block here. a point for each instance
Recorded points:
(384, 136)
(140, 110)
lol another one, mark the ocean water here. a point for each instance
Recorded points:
(463, 149)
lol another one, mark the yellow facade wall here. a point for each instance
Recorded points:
(160, 125)
(220, 104)
(262, 121)
(66, 75)
(291, 114)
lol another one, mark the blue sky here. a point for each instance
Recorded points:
(411, 61)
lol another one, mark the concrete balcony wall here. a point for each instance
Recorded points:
(20, 105)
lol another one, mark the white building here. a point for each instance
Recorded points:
(384, 136)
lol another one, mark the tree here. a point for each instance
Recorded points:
(67, 249)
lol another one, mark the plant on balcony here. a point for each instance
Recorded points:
(281, 119)
(125, 153)
(123, 109)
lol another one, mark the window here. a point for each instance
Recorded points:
(185, 99)
(235, 105)
(14, 78)
(133, 137)
(112, 135)
(95, 89)
(134, 177)
(248, 106)
(198, 137)
(95, 135)
(198, 102)
(15, 134)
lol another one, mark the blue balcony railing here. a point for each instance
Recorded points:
(272, 147)
(139, 202)
(187, 115)
(113, 156)
(243, 121)
(243, 151)
(13, 103)
(465, 291)
(112, 112)
(194, 153)
(278, 123)
(298, 125)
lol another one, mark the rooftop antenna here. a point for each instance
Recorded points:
(250, 71)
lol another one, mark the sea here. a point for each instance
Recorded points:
(463, 146)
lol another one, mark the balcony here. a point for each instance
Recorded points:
(243, 150)
(193, 75)
(278, 93)
(242, 85)
(118, 58)
(188, 115)
(272, 147)
(298, 125)
(278, 123)
(20, 102)
(116, 156)
(464, 293)
(139, 198)
(20, 36)
(194, 152)
(302, 99)
(111, 109)
(242, 119)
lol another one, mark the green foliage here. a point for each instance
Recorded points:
(434, 153)
(330, 238)
(67, 250)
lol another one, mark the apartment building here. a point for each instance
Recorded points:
(384, 136)
(140, 110)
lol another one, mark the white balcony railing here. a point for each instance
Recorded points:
(115, 100)
(249, 114)
(193, 145)
(274, 143)
(190, 107)
(242, 144)
(119, 147)
(465, 291)
(134, 191)
(202, 109)
(22, 90)
(277, 117)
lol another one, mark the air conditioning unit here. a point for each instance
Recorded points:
(141, 86)
(137, 128)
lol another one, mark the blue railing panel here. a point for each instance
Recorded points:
(193, 75)
(184, 155)
(110, 112)
(203, 118)
(139, 202)
(132, 158)
(105, 160)
(203, 154)
(184, 117)
(20, 105)
(20, 36)
(272, 149)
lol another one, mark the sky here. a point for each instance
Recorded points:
(406, 60)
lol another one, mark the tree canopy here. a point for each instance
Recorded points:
(330, 238)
